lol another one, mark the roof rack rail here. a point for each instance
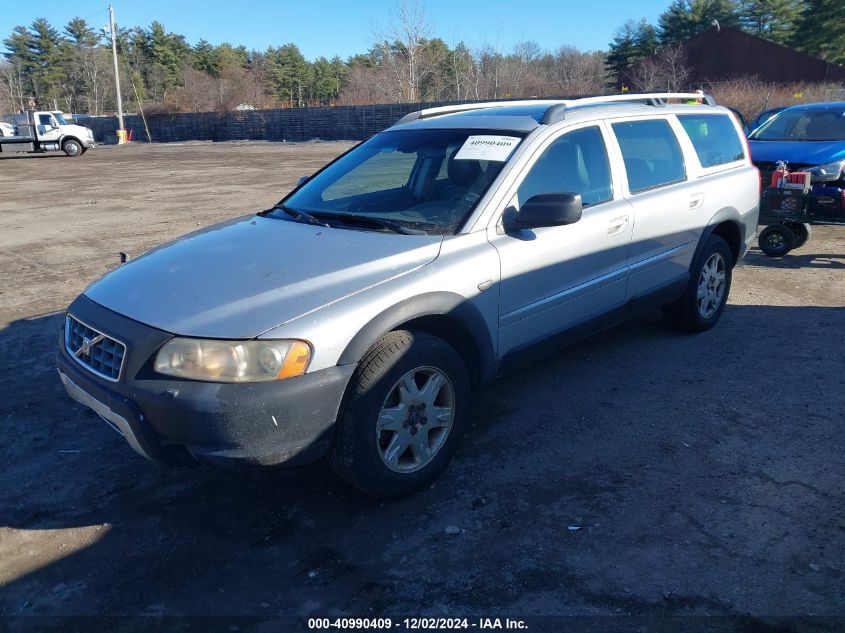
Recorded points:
(557, 107)
(463, 107)
(557, 112)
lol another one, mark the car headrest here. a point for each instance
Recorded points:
(462, 172)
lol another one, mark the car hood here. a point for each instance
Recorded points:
(801, 152)
(75, 130)
(244, 277)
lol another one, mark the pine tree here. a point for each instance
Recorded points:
(632, 42)
(165, 53)
(686, 18)
(646, 40)
(49, 56)
(622, 53)
(821, 30)
(774, 20)
(204, 57)
(290, 70)
(80, 34)
(85, 67)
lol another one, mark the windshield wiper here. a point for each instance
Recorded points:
(299, 216)
(354, 218)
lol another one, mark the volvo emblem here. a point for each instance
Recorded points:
(87, 344)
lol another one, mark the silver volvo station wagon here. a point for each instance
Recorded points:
(353, 319)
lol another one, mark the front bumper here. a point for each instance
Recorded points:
(176, 421)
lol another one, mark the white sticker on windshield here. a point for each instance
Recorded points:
(485, 147)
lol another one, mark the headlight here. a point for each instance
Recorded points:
(233, 361)
(828, 172)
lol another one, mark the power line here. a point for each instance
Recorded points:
(95, 14)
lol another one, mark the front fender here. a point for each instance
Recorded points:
(446, 304)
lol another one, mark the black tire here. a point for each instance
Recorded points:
(686, 312)
(801, 231)
(776, 240)
(72, 148)
(357, 452)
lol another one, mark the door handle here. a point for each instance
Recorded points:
(696, 201)
(617, 226)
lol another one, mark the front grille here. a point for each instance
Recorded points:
(94, 350)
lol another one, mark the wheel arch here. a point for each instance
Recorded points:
(726, 225)
(443, 314)
(66, 139)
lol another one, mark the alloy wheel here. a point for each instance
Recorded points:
(415, 419)
(711, 285)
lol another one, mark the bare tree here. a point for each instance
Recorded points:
(521, 64)
(90, 72)
(200, 92)
(402, 46)
(667, 70)
(366, 85)
(673, 59)
(578, 72)
(11, 86)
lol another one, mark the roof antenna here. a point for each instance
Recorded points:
(716, 24)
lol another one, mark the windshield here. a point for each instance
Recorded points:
(804, 124)
(422, 179)
(60, 118)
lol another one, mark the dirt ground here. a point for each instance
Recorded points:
(641, 472)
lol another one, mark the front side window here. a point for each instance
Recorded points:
(651, 152)
(574, 163)
(45, 119)
(427, 180)
(714, 138)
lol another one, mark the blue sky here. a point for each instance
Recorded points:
(329, 27)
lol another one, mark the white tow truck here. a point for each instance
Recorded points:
(37, 131)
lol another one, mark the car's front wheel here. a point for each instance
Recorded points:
(72, 148)
(403, 415)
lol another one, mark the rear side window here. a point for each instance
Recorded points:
(651, 153)
(714, 137)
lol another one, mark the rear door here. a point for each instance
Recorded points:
(668, 207)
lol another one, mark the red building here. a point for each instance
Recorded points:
(721, 53)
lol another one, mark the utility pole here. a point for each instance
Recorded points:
(116, 76)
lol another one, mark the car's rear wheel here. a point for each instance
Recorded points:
(776, 240)
(403, 415)
(702, 303)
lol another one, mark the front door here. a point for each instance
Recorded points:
(554, 278)
(47, 127)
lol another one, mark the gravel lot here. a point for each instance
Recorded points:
(642, 471)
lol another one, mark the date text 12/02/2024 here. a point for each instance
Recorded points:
(412, 624)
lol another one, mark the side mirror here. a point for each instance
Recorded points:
(302, 180)
(548, 209)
